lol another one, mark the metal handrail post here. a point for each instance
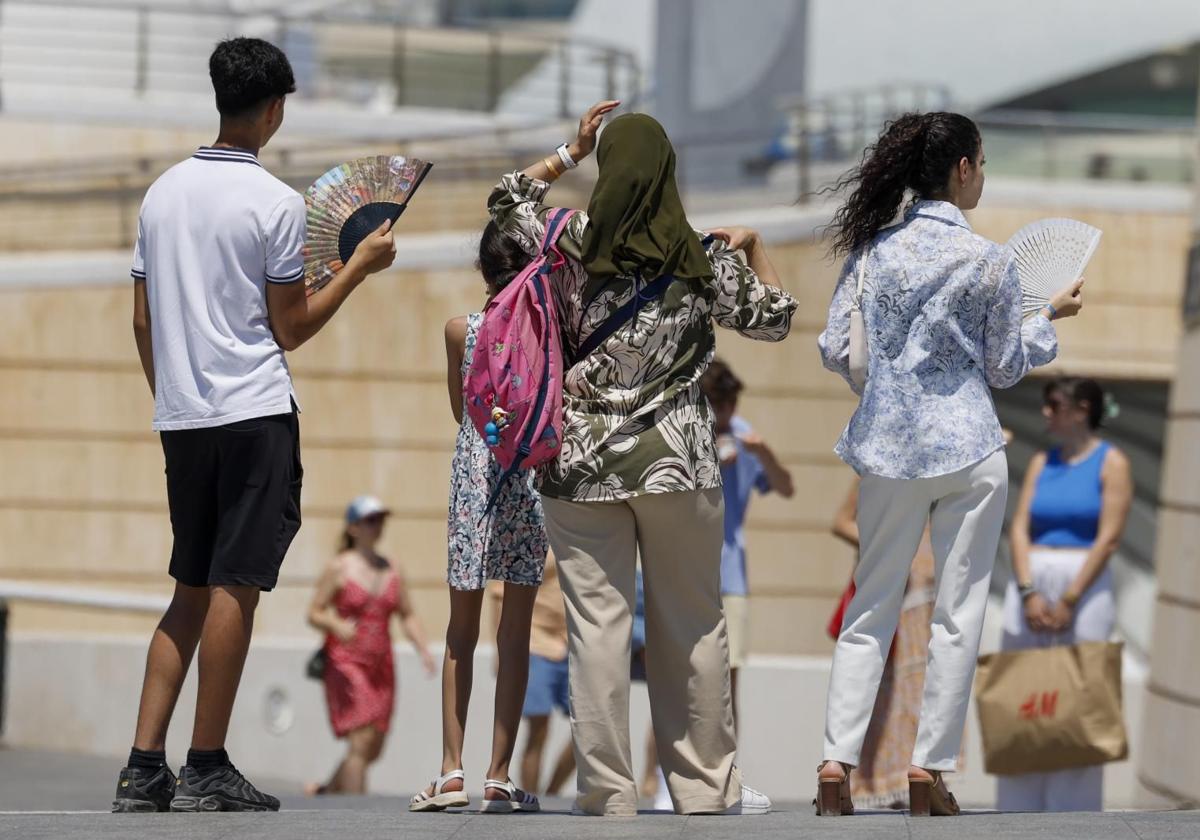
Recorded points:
(399, 42)
(141, 79)
(494, 65)
(564, 81)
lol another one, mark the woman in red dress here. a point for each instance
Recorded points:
(356, 597)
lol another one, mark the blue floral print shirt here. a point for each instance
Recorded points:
(942, 313)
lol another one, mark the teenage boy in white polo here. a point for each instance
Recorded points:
(218, 297)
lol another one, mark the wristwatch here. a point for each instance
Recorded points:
(565, 157)
(1025, 589)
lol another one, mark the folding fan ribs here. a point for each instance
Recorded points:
(350, 201)
(1051, 254)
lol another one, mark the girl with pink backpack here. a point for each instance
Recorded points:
(495, 531)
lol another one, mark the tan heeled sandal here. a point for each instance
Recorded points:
(931, 797)
(833, 795)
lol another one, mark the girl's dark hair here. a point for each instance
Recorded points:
(720, 384)
(915, 152)
(346, 542)
(500, 258)
(1079, 391)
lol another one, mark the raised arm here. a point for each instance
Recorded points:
(743, 302)
(296, 316)
(1012, 345)
(516, 203)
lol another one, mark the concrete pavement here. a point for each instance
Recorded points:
(47, 795)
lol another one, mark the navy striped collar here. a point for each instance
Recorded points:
(230, 155)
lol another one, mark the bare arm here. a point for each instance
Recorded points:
(845, 521)
(321, 613)
(1116, 482)
(456, 348)
(585, 142)
(414, 631)
(296, 316)
(778, 476)
(1034, 606)
(141, 330)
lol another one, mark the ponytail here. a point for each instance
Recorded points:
(915, 152)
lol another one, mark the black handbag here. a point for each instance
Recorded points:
(314, 669)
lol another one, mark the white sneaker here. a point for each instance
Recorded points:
(753, 803)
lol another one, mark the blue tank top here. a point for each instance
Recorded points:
(1066, 502)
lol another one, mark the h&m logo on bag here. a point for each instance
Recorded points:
(1043, 705)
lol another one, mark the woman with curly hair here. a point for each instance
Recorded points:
(941, 310)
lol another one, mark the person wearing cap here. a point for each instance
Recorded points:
(356, 596)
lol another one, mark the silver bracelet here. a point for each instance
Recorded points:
(565, 157)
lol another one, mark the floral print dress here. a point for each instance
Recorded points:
(510, 543)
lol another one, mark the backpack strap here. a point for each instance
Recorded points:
(642, 295)
(556, 225)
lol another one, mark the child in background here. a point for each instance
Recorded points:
(509, 546)
(747, 463)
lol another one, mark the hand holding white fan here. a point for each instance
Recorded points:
(1051, 255)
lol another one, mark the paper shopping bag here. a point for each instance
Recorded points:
(1045, 709)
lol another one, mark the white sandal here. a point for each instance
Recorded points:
(441, 800)
(517, 799)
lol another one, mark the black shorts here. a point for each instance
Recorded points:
(234, 495)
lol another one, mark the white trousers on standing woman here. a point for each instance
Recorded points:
(965, 512)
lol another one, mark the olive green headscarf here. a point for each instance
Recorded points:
(635, 218)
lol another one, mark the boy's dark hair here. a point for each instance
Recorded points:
(246, 73)
(501, 258)
(720, 383)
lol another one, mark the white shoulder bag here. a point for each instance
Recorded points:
(858, 331)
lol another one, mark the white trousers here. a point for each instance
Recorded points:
(965, 512)
(1053, 570)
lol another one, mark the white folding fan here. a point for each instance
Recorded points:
(1051, 254)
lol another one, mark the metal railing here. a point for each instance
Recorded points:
(97, 199)
(823, 136)
(139, 50)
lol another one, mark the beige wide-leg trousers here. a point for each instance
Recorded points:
(687, 657)
(965, 513)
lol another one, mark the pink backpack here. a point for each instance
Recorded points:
(513, 389)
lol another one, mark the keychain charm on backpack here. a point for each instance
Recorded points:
(497, 424)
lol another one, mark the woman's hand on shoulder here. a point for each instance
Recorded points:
(738, 238)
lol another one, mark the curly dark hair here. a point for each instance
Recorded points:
(248, 72)
(915, 152)
(501, 258)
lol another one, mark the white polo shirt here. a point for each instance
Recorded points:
(213, 231)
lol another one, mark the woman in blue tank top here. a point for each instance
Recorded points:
(1067, 524)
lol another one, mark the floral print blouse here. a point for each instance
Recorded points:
(634, 418)
(942, 313)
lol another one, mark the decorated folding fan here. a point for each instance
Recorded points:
(1051, 254)
(350, 201)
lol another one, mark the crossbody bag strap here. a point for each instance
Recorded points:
(862, 272)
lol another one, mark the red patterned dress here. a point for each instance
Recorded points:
(360, 676)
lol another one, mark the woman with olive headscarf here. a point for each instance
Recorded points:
(638, 470)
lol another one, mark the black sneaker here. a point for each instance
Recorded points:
(144, 791)
(223, 789)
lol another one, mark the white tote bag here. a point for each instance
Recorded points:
(858, 331)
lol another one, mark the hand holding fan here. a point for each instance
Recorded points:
(350, 201)
(1051, 254)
